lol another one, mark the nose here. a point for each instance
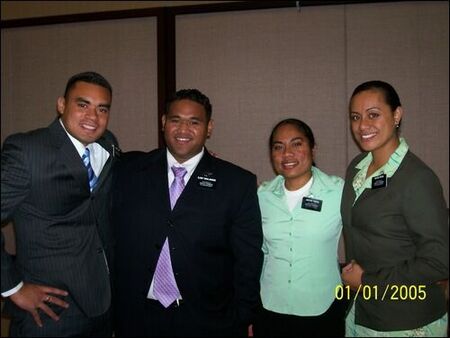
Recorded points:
(184, 124)
(92, 112)
(363, 123)
(287, 150)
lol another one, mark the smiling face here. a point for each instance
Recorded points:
(186, 129)
(85, 111)
(292, 156)
(374, 124)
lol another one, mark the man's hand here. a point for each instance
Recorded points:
(32, 297)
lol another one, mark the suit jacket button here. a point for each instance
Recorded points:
(169, 223)
(99, 250)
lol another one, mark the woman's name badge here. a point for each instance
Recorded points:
(379, 181)
(311, 204)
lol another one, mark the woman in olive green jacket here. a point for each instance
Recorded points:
(395, 226)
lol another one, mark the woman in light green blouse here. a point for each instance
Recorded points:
(302, 224)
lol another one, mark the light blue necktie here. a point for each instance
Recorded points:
(87, 163)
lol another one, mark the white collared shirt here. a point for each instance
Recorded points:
(189, 165)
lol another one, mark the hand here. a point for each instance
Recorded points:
(352, 275)
(32, 297)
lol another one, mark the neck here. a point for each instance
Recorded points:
(382, 155)
(293, 184)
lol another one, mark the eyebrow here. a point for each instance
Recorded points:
(84, 100)
(294, 139)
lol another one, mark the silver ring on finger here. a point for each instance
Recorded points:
(48, 298)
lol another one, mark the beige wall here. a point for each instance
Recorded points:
(261, 66)
(37, 62)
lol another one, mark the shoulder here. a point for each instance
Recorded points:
(27, 140)
(228, 169)
(413, 167)
(134, 160)
(330, 181)
(269, 186)
(110, 137)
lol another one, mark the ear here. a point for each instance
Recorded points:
(210, 128)
(398, 114)
(163, 122)
(61, 105)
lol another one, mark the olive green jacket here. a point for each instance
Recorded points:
(399, 236)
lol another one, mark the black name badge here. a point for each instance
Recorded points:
(379, 181)
(206, 181)
(311, 204)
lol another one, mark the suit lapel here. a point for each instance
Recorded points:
(154, 176)
(205, 168)
(69, 155)
(108, 146)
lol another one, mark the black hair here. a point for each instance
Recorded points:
(193, 95)
(89, 77)
(390, 95)
(301, 126)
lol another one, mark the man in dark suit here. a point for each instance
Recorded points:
(55, 188)
(188, 266)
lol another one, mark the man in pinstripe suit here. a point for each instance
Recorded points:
(59, 282)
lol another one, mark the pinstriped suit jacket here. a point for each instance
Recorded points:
(62, 229)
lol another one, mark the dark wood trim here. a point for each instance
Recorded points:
(166, 64)
(82, 17)
(192, 9)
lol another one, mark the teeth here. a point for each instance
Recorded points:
(182, 139)
(86, 126)
(365, 137)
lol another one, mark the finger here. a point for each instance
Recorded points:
(49, 311)
(57, 301)
(54, 291)
(36, 317)
(347, 268)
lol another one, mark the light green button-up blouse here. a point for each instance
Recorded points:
(300, 271)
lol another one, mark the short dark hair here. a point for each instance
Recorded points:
(193, 95)
(390, 95)
(89, 77)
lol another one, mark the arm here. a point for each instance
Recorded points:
(426, 216)
(15, 185)
(246, 240)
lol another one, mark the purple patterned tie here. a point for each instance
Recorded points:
(177, 185)
(165, 287)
